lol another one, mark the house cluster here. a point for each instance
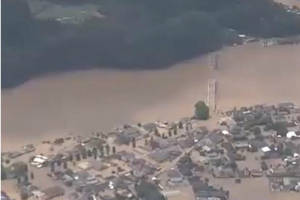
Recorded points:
(163, 157)
(272, 134)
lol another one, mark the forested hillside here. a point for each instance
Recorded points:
(133, 34)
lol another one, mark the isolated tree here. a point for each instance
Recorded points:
(151, 139)
(102, 151)
(206, 180)
(31, 175)
(58, 162)
(95, 153)
(89, 153)
(233, 165)
(201, 111)
(175, 130)
(287, 151)
(52, 167)
(3, 172)
(256, 131)
(65, 165)
(114, 150)
(71, 157)
(25, 179)
(107, 149)
(280, 128)
(156, 132)
(133, 142)
(180, 125)
(78, 158)
(170, 133)
(264, 166)
(84, 153)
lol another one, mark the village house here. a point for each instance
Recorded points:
(161, 155)
(174, 176)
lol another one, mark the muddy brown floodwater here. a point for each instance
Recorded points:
(85, 101)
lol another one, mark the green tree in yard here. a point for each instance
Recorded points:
(95, 153)
(264, 166)
(170, 133)
(175, 130)
(3, 172)
(65, 165)
(102, 151)
(287, 152)
(58, 162)
(31, 175)
(84, 153)
(180, 125)
(78, 157)
(133, 142)
(52, 167)
(201, 110)
(280, 128)
(71, 157)
(107, 149)
(89, 153)
(156, 132)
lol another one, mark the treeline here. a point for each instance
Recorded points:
(134, 34)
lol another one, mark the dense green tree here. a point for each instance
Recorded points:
(114, 150)
(102, 151)
(58, 162)
(3, 172)
(65, 165)
(201, 111)
(52, 167)
(148, 191)
(107, 147)
(89, 153)
(280, 128)
(180, 125)
(78, 157)
(169, 133)
(31, 175)
(95, 153)
(175, 131)
(71, 157)
(84, 153)
(133, 142)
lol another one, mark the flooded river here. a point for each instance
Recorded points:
(85, 101)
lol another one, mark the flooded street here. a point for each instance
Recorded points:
(86, 101)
